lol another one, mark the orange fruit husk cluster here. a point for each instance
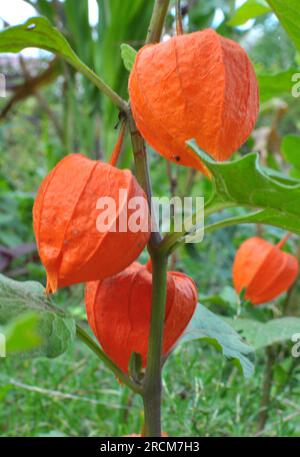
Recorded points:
(198, 86)
(119, 310)
(263, 270)
(65, 214)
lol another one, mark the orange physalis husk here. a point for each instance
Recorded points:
(119, 308)
(65, 213)
(198, 86)
(263, 270)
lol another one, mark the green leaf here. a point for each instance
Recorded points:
(18, 297)
(288, 13)
(261, 335)
(249, 10)
(128, 55)
(58, 334)
(22, 333)
(277, 84)
(244, 183)
(38, 32)
(290, 147)
(209, 327)
(55, 329)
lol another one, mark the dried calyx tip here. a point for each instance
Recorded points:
(51, 286)
(282, 242)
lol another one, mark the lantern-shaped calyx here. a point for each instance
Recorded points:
(197, 86)
(84, 225)
(263, 270)
(119, 310)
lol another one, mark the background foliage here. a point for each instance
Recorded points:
(44, 118)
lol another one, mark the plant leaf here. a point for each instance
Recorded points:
(22, 333)
(276, 84)
(55, 329)
(249, 10)
(38, 32)
(244, 183)
(18, 297)
(288, 13)
(128, 55)
(58, 334)
(207, 326)
(261, 335)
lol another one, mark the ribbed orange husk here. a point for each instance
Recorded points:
(65, 214)
(198, 86)
(263, 270)
(119, 308)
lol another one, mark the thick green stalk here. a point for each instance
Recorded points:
(179, 27)
(157, 21)
(140, 158)
(152, 386)
(151, 389)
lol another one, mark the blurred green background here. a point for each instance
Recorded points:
(49, 111)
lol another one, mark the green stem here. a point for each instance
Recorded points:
(102, 86)
(152, 386)
(157, 21)
(152, 381)
(174, 240)
(179, 27)
(88, 341)
(140, 158)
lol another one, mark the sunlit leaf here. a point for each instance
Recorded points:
(22, 333)
(288, 13)
(38, 32)
(249, 10)
(128, 55)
